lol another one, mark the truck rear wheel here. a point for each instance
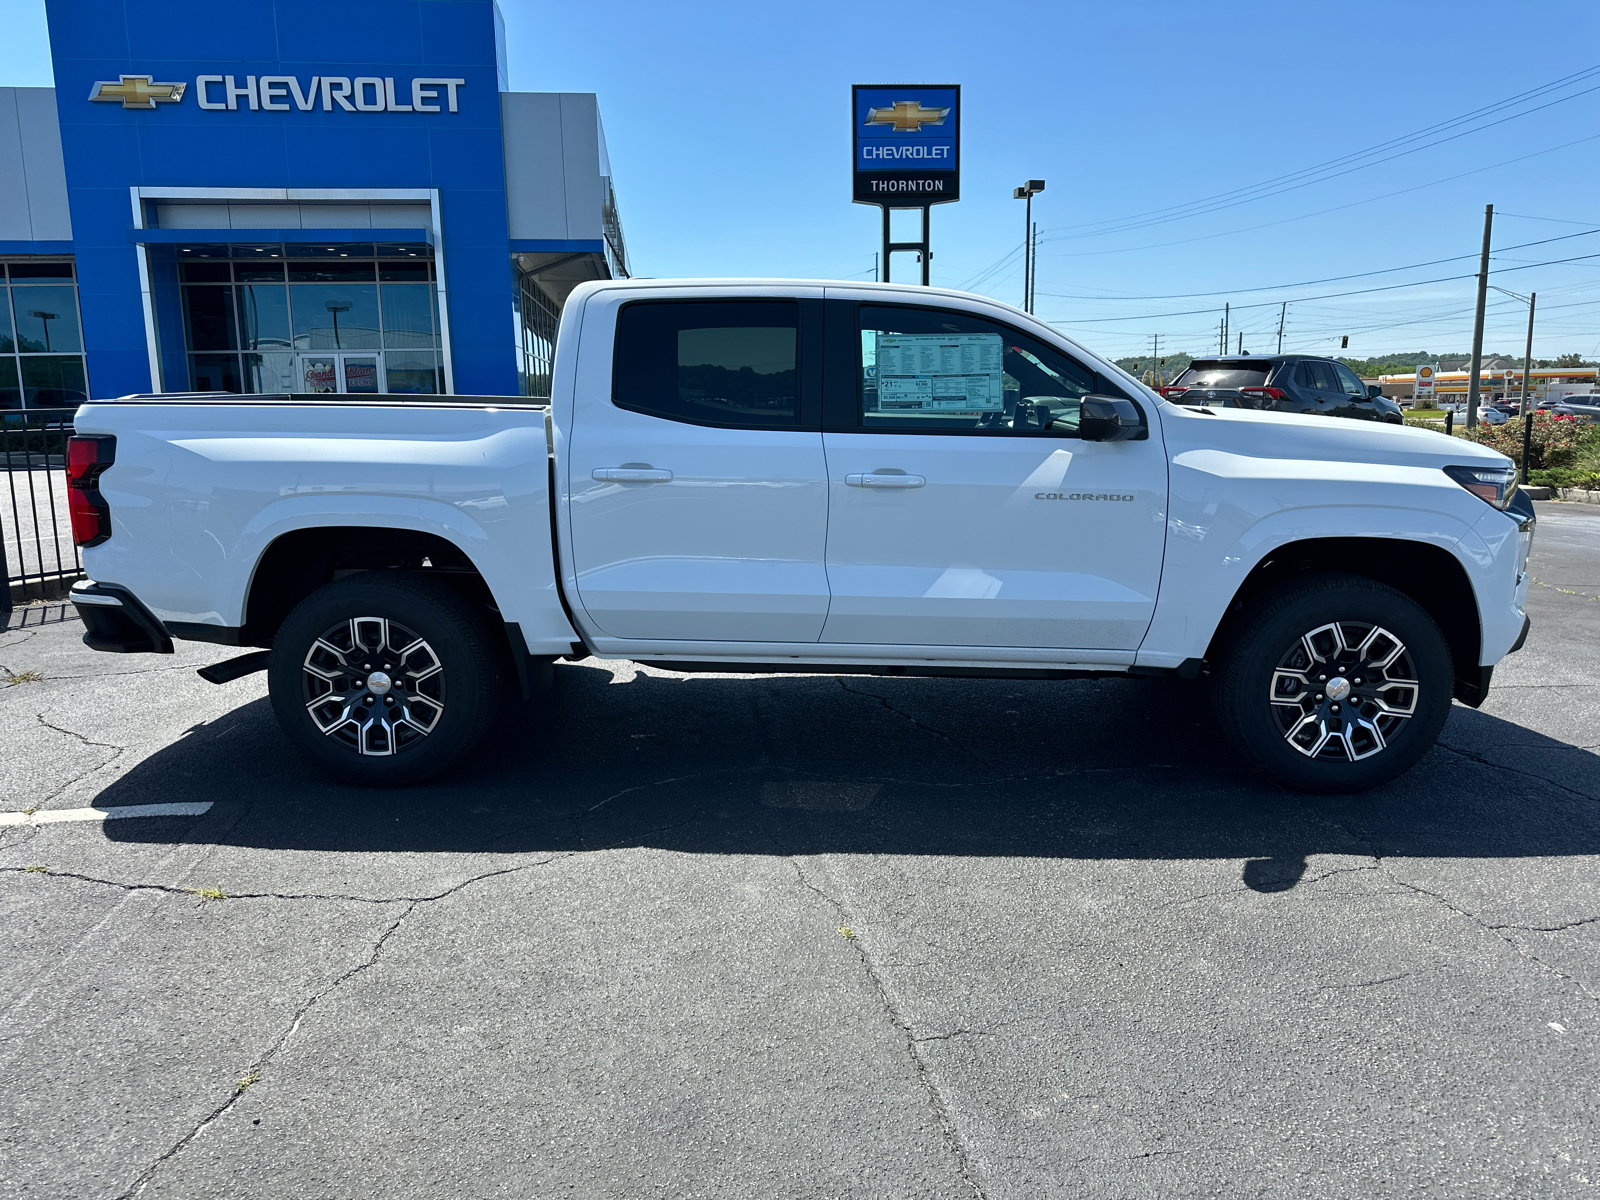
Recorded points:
(1334, 683)
(383, 678)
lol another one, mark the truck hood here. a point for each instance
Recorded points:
(1326, 439)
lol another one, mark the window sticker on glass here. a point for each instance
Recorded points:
(940, 373)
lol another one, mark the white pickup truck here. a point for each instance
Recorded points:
(771, 476)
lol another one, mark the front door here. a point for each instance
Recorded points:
(964, 510)
(337, 371)
(696, 488)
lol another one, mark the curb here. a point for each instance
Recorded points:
(1579, 495)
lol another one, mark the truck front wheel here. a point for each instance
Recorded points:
(383, 678)
(1334, 683)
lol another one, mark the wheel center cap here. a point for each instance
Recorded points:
(1338, 688)
(378, 683)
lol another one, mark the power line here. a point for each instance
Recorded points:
(1330, 279)
(1335, 295)
(1324, 172)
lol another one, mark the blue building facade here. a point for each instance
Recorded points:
(281, 195)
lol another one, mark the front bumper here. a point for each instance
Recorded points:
(115, 621)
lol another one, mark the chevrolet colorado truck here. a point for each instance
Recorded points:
(785, 476)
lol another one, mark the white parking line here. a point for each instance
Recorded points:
(54, 815)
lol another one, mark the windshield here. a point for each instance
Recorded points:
(1224, 375)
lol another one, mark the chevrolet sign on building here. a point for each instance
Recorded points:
(292, 196)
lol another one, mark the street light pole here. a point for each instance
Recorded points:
(1027, 192)
(45, 318)
(336, 307)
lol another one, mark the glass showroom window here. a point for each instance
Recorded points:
(41, 339)
(537, 318)
(312, 319)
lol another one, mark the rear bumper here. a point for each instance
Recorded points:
(115, 621)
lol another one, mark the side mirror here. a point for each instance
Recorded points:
(1111, 419)
(1374, 392)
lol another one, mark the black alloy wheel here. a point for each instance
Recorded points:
(1334, 683)
(384, 677)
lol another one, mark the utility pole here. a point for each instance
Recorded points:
(1222, 337)
(1155, 351)
(875, 266)
(1283, 310)
(1241, 341)
(1033, 262)
(1527, 369)
(1477, 321)
(1226, 320)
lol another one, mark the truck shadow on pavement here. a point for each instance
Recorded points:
(716, 764)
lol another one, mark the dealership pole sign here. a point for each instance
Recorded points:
(906, 148)
(907, 144)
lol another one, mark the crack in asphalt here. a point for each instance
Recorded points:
(254, 1073)
(936, 1100)
(1339, 987)
(1564, 591)
(262, 1062)
(1474, 756)
(907, 716)
(1497, 931)
(117, 752)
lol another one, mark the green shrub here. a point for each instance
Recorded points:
(1566, 477)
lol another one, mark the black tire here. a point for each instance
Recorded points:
(440, 693)
(1327, 629)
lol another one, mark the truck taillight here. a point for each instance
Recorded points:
(1268, 393)
(87, 457)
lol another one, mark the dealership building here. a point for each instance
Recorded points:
(287, 196)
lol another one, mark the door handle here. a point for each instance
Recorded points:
(874, 480)
(631, 475)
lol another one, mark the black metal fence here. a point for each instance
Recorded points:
(37, 556)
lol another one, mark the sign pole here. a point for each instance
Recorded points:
(906, 155)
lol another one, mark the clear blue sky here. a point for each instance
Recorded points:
(728, 132)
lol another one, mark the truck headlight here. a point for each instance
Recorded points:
(1492, 485)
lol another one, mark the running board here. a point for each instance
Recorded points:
(236, 668)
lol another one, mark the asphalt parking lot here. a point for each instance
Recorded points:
(695, 936)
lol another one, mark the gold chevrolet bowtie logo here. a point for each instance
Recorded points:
(137, 91)
(907, 116)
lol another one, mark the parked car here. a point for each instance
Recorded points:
(774, 477)
(1287, 383)
(1492, 416)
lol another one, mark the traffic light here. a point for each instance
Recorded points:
(1344, 342)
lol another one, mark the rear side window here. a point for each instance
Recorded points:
(728, 363)
(1224, 375)
(1318, 376)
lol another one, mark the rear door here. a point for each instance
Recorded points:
(1320, 387)
(964, 510)
(697, 494)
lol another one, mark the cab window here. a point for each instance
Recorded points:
(728, 363)
(948, 372)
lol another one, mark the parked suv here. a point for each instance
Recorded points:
(1282, 383)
